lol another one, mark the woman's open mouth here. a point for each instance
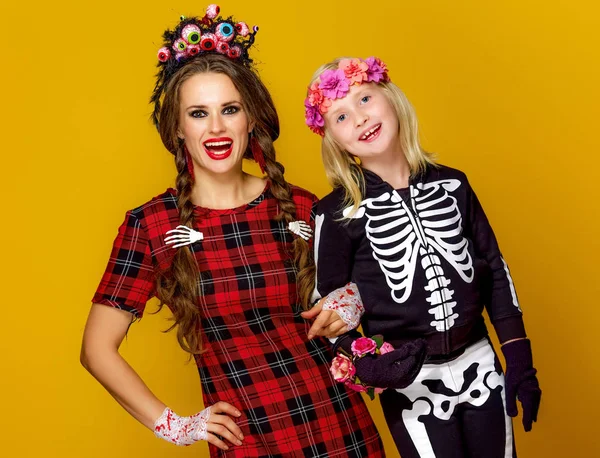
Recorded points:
(218, 148)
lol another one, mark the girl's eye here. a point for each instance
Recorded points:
(231, 110)
(365, 99)
(197, 114)
(341, 118)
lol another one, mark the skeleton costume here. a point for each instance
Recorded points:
(426, 263)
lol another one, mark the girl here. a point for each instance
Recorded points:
(414, 238)
(222, 250)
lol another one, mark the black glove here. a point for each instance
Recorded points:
(396, 369)
(521, 381)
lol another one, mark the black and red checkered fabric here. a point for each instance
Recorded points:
(257, 355)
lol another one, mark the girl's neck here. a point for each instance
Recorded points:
(392, 168)
(224, 191)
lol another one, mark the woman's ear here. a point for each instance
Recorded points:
(251, 126)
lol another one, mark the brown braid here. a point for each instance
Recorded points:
(282, 192)
(178, 286)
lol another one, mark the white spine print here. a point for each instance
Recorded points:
(399, 237)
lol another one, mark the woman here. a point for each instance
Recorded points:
(222, 250)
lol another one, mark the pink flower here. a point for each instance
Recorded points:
(377, 71)
(355, 70)
(355, 387)
(313, 118)
(317, 99)
(386, 348)
(334, 84)
(342, 369)
(363, 345)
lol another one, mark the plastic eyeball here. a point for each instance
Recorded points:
(234, 52)
(193, 50)
(182, 18)
(242, 28)
(225, 31)
(255, 28)
(179, 45)
(191, 33)
(179, 55)
(223, 47)
(164, 54)
(212, 11)
(208, 42)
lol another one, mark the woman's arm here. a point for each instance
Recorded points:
(105, 329)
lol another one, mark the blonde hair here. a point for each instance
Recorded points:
(343, 169)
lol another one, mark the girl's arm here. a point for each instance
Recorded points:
(501, 301)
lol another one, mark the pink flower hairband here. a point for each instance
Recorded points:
(335, 84)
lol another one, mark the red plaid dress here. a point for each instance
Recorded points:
(257, 355)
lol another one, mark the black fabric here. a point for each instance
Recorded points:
(439, 197)
(396, 369)
(521, 381)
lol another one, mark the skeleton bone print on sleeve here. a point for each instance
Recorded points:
(401, 235)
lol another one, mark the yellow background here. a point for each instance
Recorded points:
(506, 91)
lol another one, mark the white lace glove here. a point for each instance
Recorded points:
(346, 302)
(182, 430)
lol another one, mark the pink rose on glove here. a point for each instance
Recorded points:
(342, 369)
(386, 348)
(363, 345)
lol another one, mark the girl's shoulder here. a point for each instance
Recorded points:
(442, 172)
(333, 202)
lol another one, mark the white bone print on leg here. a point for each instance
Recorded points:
(182, 236)
(401, 235)
(440, 388)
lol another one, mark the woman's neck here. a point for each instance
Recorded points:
(392, 168)
(219, 192)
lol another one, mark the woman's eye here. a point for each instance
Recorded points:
(197, 114)
(231, 110)
(365, 99)
(341, 118)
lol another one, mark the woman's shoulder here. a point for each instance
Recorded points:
(162, 206)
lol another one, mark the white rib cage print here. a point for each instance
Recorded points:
(399, 237)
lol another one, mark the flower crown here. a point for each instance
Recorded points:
(335, 84)
(197, 36)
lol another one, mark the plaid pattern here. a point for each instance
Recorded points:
(257, 356)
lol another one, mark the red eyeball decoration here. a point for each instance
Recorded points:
(212, 11)
(193, 50)
(234, 52)
(208, 42)
(164, 54)
(191, 33)
(225, 32)
(179, 45)
(222, 47)
(242, 29)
